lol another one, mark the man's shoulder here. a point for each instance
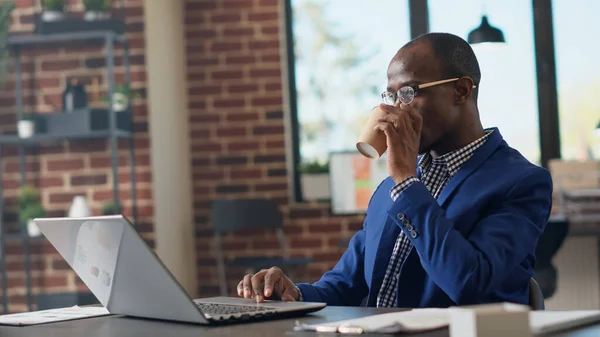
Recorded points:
(507, 163)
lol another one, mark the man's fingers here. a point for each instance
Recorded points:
(272, 276)
(248, 286)
(258, 285)
(240, 288)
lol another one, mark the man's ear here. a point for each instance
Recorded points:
(463, 89)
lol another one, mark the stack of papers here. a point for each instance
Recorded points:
(419, 320)
(52, 315)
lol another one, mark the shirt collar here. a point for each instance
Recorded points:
(455, 159)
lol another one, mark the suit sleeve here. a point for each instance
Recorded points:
(345, 284)
(469, 268)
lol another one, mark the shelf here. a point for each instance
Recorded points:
(20, 236)
(36, 139)
(38, 39)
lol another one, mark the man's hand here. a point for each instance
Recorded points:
(402, 127)
(268, 283)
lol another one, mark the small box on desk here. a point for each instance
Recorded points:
(83, 121)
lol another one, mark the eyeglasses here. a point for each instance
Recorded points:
(407, 93)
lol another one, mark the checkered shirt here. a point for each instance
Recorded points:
(435, 174)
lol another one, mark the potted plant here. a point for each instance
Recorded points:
(53, 10)
(96, 10)
(315, 180)
(26, 126)
(29, 209)
(110, 207)
(122, 97)
(5, 10)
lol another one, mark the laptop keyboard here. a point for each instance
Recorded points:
(225, 309)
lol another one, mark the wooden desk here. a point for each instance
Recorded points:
(119, 326)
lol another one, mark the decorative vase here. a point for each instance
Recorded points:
(79, 208)
(33, 229)
(51, 16)
(25, 128)
(96, 15)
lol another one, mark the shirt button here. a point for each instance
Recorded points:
(400, 216)
(413, 234)
(410, 227)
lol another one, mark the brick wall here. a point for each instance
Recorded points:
(237, 141)
(237, 132)
(63, 170)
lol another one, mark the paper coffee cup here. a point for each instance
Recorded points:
(372, 143)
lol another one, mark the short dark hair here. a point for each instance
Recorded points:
(455, 55)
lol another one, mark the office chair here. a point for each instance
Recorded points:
(548, 245)
(536, 298)
(233, 215)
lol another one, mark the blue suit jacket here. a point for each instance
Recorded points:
(474, 244)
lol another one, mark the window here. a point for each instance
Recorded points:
(342, 49)
(576, 29)
(508, 96)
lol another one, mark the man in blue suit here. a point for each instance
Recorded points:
(457, 225)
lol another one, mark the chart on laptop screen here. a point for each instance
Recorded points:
(354, 178)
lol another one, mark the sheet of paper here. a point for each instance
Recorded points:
(52, 315)
(406, 321)
(419, 320)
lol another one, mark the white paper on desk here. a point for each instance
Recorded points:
(52, 315)
(416, 320)
(419, 320)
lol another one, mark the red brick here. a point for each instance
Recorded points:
(140, 177)
(242, 116)
(199, 134)
(227, 75)
(211, 175)
(138, 42)
(205, 118)
(270, 30)
(89, 180)
(273, 158)
(271, 187)
(87, 146)
(226, 46)
(242, 88)
(262, 45)
(243, 59)
(266, 3)
(47, 83)
(228, 131)
(15, 167)
(62, 197)
(64, 164)
(106, 161)
(208, 90)
(46, 182)
(276, 72)
(11, 184)
(201, 61)
(267, 101)
(305, 213)
(199, 6)
(226, 18)
(324, 228)
(245, 174)
(265, 244)
(266, 16)
(272, 115)
(268, 130)
(238, 32)
(60, 65)
(200, 33)
(239, 245)
(241, 188)
(134, 11)
(275, 144)
(135, 27)
(229, 103)
(136, 76)
(243, 146)
(270, 58)
(233, 160)
(60, 264)
(206, 147)
(23, 3)
(306, 243)
(271, 87)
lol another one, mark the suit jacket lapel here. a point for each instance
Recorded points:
(491, 144)
(387, 239)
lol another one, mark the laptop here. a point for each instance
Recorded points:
(125, 275)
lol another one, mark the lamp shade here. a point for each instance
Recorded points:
(485, 33)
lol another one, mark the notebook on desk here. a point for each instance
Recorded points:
(421, 320)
